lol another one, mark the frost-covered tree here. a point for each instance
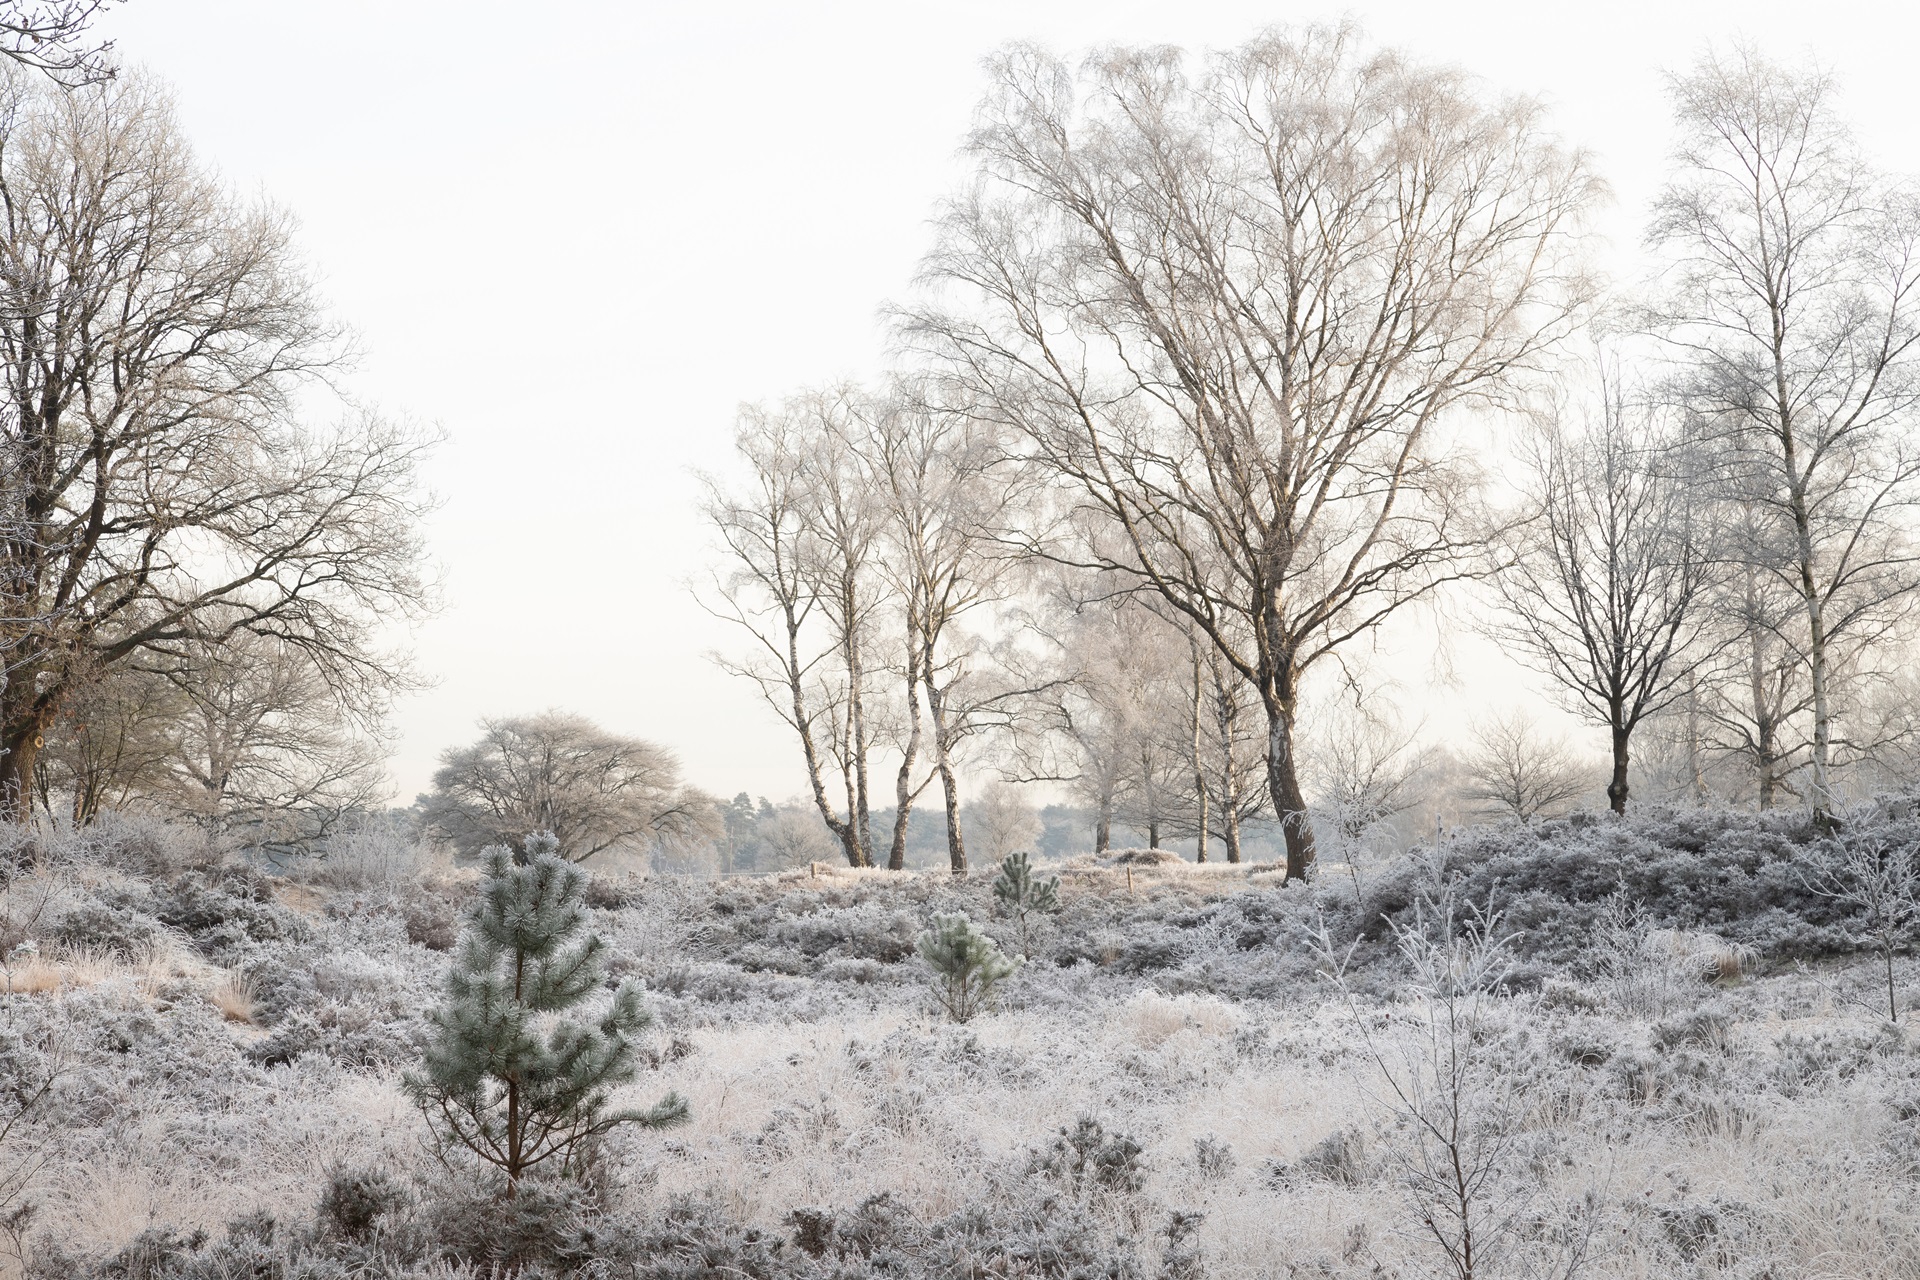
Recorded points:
(1001, 821)
(160, 341)
(1232, 310)
(968, 966)
(1514, 772)
(1604, 577)
(1879, 881)
(491, 1084)
(1023, 895)
(1794, 308)
(563, 774)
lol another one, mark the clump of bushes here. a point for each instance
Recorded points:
(1742, 876)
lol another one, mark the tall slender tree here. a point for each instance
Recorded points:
(1794, 272)
(799, 580)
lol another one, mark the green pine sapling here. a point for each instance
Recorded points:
(967, 965)
(490, 1084)
(1023, 895)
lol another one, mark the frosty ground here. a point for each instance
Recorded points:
(1683, 1067)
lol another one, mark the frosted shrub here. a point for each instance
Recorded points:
(1456, 1144)
(378, 855)
(489, 1086)
(1088, 1159)
(968, 966)
(1879, 879)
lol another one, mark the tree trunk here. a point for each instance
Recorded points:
(1229, 772)
(1283, 781)
(1153, 833)
(1769, 770)
(956, 847)
(857, 718)
(943, 763)
(1200, 840)
(845, 832)
(1820, 778)
(1199, 769)
(903, 794)
(1103, 827)
(19, 755)
(1617, 785)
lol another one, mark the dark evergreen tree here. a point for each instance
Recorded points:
(491, 1084)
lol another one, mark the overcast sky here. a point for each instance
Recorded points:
(577, 236)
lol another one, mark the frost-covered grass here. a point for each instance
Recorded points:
(1669, 1088)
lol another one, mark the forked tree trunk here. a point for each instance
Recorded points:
(843, 830)
(862, 808)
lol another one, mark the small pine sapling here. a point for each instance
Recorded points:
(490, 1084)
(1023, 895)
(968, 966)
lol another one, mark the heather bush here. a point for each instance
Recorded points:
(1741, 876)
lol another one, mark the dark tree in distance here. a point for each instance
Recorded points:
(1605, 578)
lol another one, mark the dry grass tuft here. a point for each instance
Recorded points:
(1154, 1018)
(233, 997)
(49, 973)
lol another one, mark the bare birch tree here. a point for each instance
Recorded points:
(1071, 734)
(799, 579)
(1365, 769)
(1758, 709)
(155, 485)
(1603, 579)
(1231, 310)
(846, 524)
(1794, 294)
(951, 498)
